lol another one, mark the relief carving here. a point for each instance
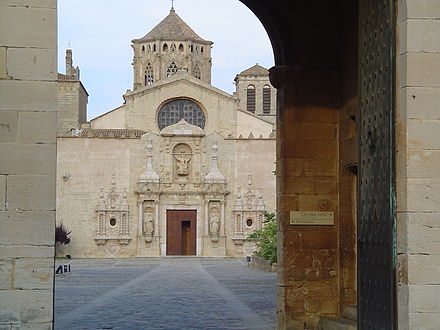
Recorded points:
(182, 164)
(214, 220)
(148, 224)
(182, 157)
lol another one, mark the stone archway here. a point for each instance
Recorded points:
(29, 97)
(316, 73)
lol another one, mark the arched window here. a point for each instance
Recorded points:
(172, 69)
(201, 50)
(149, 48)
(165, 48)
(154, 47)
(173, 47)
(181, 48)
(149, 75)
(251, 98)
(266, 99)
(143, 49)
(196, 72)
(191, 48)
(174, 111)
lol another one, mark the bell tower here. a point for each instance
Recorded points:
(170, 47)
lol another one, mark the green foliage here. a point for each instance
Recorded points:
(62, 234)
(266, 238)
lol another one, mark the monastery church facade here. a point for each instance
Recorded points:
(181, 168)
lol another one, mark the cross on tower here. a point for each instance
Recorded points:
(172, 4)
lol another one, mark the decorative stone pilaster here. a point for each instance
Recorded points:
(149, 174)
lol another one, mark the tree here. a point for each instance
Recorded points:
(266, 238)
(62, 234)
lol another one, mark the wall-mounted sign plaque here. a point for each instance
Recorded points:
(312, 218)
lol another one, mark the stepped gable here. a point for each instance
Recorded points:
(172, 27)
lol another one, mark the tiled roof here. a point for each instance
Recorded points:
(256, 70)
(172, 27)
(110, 133)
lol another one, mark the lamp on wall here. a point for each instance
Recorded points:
(66, 176)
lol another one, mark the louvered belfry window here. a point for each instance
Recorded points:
(251, 98)
(266, 99)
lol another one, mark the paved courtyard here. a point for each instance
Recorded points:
(164, 293)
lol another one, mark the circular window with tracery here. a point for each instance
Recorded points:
(174, 111)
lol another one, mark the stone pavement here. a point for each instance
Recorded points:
(164, 293)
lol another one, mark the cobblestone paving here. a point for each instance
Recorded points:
(164, 293)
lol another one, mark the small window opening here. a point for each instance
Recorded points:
(251, 98)
(181, 48)
(149, 75)
(173, 47)
(196, 72)
(112, 222)
(172, 69)
(165, 48)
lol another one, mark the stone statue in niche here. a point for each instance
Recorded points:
(215, 226)
(182, 164)
(182, 157)
(148, 227)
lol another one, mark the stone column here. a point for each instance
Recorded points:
(206, 217)
(28, 114)
(418, 159)
(307, 255)
(140, 219)
(156, 220)
(222, 221)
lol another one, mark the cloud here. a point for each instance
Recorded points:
(100, 34)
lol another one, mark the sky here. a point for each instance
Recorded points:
(100, 32)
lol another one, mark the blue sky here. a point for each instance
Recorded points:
(100, 34)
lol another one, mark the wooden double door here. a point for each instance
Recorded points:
(181, 232)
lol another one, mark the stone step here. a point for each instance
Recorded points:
(333, 323)
(350, 312)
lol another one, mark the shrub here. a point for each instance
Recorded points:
(266, 238)
(62, 234)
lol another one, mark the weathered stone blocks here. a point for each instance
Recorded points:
(28, 27)
(28, 159)
(28, 95)
(25, 192)
(31, 64)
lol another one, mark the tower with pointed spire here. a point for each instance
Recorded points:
(169, 48)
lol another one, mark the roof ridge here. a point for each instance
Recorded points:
(172, 27)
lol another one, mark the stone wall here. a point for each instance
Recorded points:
(28, 94)
(418, 157)
(72, 106)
